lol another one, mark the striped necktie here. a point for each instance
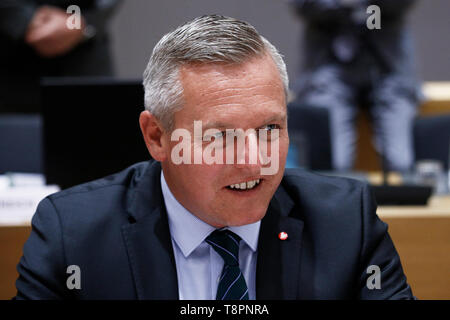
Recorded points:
(232, 284)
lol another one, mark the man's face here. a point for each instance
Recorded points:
(224, 96)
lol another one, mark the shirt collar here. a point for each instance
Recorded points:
(189, 232)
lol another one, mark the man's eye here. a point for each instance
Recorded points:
(270, 127)
(215, 135)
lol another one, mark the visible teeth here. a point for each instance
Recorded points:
(245, 185)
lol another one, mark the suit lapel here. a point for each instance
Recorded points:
(149, 246)
(147, 239)
(278, 265)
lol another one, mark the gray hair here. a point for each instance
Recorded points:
(207, 39)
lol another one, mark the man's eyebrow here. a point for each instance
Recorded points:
(216, 125)
(276, 118)
(224, 125)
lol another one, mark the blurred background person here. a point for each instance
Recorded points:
(347, 66)
(36, 42)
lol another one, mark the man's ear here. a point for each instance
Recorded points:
(153, 134)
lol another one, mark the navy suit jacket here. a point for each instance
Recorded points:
(116, 230)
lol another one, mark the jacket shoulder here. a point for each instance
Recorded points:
(319, 199)
(98, 201)
(126, 178)
(303, 182)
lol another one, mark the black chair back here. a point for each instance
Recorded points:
(432, 138)
(21, 143)
(313, 125)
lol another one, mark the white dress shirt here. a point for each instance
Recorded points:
(198, 265)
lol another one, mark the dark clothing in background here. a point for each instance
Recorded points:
(347, 66)
(21, 68)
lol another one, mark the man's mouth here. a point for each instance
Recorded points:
(248, 185)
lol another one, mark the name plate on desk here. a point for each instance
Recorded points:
(18, 204)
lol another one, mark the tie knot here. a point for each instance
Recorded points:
(226, 244)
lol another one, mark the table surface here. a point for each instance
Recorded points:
(421, 235)
(438, 206)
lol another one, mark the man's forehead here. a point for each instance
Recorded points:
(254, 66)
(219, 92)
(221, 81)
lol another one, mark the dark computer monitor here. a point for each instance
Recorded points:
(311, 125)
(91, 128)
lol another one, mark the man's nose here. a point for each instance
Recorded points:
(247, 154)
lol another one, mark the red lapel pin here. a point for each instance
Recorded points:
(282, 235)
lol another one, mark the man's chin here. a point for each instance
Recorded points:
(249, 218)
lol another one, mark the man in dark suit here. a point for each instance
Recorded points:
(204, 219)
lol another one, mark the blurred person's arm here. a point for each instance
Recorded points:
(339, 11)
(393, 8)
(44, 27)
(48, 33)
(97, 17)
(327, 11)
